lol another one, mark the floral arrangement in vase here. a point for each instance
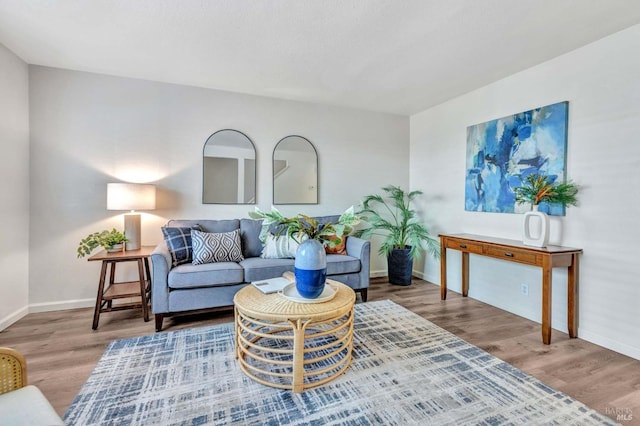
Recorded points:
(536, 189)
(310, 267)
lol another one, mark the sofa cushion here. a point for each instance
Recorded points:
(250, 236)
(208, 225)
(280, 246)
(211, 247)
(257, 268)
(179, 243)
(338, 248)
(342, 264)
(326, 219)
(207, 275)
(203, 297)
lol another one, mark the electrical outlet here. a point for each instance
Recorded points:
(524, 289)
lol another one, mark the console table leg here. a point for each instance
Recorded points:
(443, 272)
(465, 274)
(572, 288)
(546, 301)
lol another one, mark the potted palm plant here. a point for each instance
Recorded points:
(405, 237)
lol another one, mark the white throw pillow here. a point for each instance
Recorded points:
(216, 247)
(281, 247)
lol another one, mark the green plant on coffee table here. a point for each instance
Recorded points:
(327, 233)
(106, 239)
(391, 216)
(536, 189)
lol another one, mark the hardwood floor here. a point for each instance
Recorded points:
(61, 348)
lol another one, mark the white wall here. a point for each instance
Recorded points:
(14, 187)
(89, 129)
(601, 82)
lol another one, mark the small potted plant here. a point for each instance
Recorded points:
(303, 225)
(111, 240)
(310, 266)
(391, 216)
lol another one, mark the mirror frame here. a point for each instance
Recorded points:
(255, 174)
(273, 172)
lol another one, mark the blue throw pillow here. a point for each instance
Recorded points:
(179, 243)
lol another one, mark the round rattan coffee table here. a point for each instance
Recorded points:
(290, 345)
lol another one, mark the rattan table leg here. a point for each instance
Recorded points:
(299, 327)
(236, 332)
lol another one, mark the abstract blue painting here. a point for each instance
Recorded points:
(502, 152)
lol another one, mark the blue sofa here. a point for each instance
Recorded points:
(190, 287)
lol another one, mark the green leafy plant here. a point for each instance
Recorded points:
(536, 189)
(106, 239)
(391, 216)
(328, 234)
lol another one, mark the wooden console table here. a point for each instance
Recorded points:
(514, 251)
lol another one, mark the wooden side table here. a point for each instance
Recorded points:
(121, 290)
(289, 345)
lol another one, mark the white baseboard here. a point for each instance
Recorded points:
(376, 274)
(418, 274)
(61, 306)
(385, 273)
(15, 316)
(614, 345)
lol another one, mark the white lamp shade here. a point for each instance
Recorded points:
(131, 196)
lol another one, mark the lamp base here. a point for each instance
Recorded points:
(132, 231)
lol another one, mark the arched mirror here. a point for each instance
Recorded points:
(228, 169)
(295, 172)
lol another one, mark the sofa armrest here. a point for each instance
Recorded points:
(360, 248)
(161, 264)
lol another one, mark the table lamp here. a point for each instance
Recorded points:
(131, 196)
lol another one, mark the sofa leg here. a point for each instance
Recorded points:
(159, 318)
(363, 294)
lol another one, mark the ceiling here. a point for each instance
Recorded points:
(395, 56)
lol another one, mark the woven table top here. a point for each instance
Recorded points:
(254, 303)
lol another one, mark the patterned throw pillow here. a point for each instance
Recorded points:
(280, 247)
(179, 243)
(338, 248)
(216, 247)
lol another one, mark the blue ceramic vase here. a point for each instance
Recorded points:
(310, 269)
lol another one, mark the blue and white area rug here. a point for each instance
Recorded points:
(405, 371)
